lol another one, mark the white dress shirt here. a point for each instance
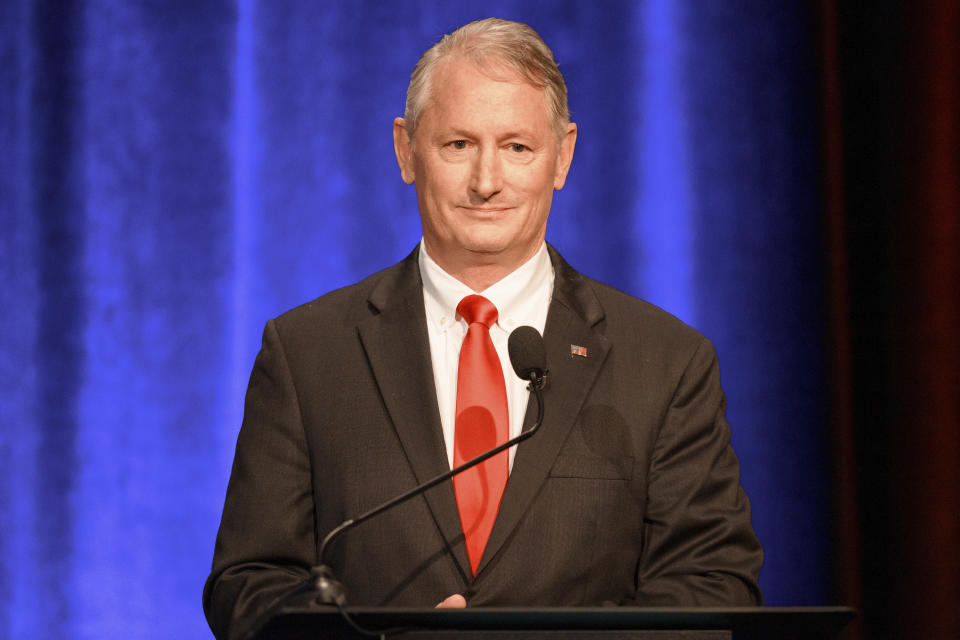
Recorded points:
(521, 298)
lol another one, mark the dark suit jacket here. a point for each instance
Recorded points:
(630, 493)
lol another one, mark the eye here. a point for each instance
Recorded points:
(459, 145)
(518, 148)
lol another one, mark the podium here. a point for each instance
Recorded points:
(603, 623)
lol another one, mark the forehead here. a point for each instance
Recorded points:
(466, 95)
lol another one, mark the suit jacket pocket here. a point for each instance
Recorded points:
(573, 466)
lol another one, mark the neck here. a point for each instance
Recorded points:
(480, 278)
(480, 271)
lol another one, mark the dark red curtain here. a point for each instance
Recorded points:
(892, 101)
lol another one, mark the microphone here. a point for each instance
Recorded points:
(527, 355)
(529, 360)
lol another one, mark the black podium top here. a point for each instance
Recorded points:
(609, 623)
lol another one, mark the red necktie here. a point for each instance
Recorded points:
(481, 424)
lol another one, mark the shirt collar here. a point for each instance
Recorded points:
(511, 295)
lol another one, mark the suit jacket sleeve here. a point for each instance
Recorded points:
(700, 548)
(266, 543)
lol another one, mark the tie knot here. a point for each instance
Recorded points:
(476, 308)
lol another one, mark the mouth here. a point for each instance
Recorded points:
(485, 212)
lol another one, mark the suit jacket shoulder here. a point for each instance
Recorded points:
(630, 321)
(344, 308)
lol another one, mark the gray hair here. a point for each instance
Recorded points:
(488, 43)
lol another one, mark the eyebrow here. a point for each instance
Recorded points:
(457, 132)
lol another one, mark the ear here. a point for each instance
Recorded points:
(565, 156)
(403, 147)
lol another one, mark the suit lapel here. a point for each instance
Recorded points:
(572, 319)
(396, 343)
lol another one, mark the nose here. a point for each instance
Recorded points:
(487, 175)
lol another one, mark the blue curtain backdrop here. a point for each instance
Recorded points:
(174, 174)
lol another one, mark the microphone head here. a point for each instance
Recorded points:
(527, 354)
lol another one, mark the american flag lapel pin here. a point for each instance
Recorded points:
(577, 350)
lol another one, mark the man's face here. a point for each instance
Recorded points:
(485, 160)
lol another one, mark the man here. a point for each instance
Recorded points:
(629, 494)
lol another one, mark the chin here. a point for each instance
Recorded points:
(487, 245)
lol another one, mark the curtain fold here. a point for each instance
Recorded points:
(846, 546)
